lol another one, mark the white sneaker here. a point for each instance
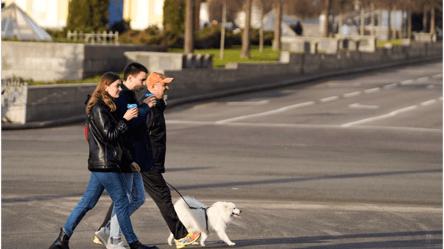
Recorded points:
(103, 235)
(114, 244)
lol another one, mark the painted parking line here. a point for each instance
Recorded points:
(353, 94)
(407, 82)
(426, 103)
(263, 102)
(391, 86)
(422, 79)
(282, 109)
(359, 106)
(373, 90)
(329, 99)
(388, 115)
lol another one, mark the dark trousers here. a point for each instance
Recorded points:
(156, 187)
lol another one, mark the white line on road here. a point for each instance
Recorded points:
(263, 102)
(407, 82)
(437, 76)
(373, 90)
(329, 99)
(282, 109)
(426, 103)
(423, 79)
(353, 94)
(359, 106)
(391, 114)
(303, 126)
(390, 86)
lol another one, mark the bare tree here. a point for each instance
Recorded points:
(265, 6)
(277, 25)
(246, 34)
(188, 44)
(327, 13)
(222, 35)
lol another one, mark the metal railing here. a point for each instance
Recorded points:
(101, 38)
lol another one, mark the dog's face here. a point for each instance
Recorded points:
(231, 208)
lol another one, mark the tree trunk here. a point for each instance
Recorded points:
(389, 20)
(409, 23)
(222, 36)
(362, 26)
(327, 14)
(261, 33)
(395, 27)
(424, 20)
(380, 29)
(246, 35)
(197, 15)
(277, 25)
(372, 18)
(432, 20)
(188, 44)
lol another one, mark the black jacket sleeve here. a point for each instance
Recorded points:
(106, 127)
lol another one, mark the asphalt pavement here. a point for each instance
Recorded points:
(350, 161)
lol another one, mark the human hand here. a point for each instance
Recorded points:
(135, 167)
(131, 113)
(150, 101)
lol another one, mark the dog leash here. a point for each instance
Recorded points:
(204, 209)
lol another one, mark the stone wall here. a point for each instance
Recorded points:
(67, 101)
(43, 61)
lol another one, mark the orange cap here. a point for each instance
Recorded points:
(153, 78)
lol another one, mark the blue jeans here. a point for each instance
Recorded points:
(136, 195)
(98, 182)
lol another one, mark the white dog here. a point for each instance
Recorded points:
(218, 215)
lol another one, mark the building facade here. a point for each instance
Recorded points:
(54, 13)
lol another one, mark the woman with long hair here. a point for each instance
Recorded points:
(104, 137)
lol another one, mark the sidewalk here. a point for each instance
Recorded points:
(269, 82)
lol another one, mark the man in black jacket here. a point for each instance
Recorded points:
(153, 180)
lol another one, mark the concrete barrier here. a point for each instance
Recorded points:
(57, 102)
(42, 61)
(314, 45)
(159, 62)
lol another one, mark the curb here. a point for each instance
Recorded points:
(180, 101)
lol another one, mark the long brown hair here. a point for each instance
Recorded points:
(101, 94)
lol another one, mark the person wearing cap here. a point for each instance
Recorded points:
(153, 181)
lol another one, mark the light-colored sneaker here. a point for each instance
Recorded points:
(187, 240)
(97, 241)
(114, 244)
(103, 235)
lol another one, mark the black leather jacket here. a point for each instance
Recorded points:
(105, 139)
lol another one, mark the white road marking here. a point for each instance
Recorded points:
(329, 99)
(437, 76)
(282, 109)
(304, 126)
(263, 102)
(293, 205)
(426, 103)
(407, 82)
(423, 79)
(373, 90)
(390, 86)
(389, 115)
(353, 94)
(359, 106)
